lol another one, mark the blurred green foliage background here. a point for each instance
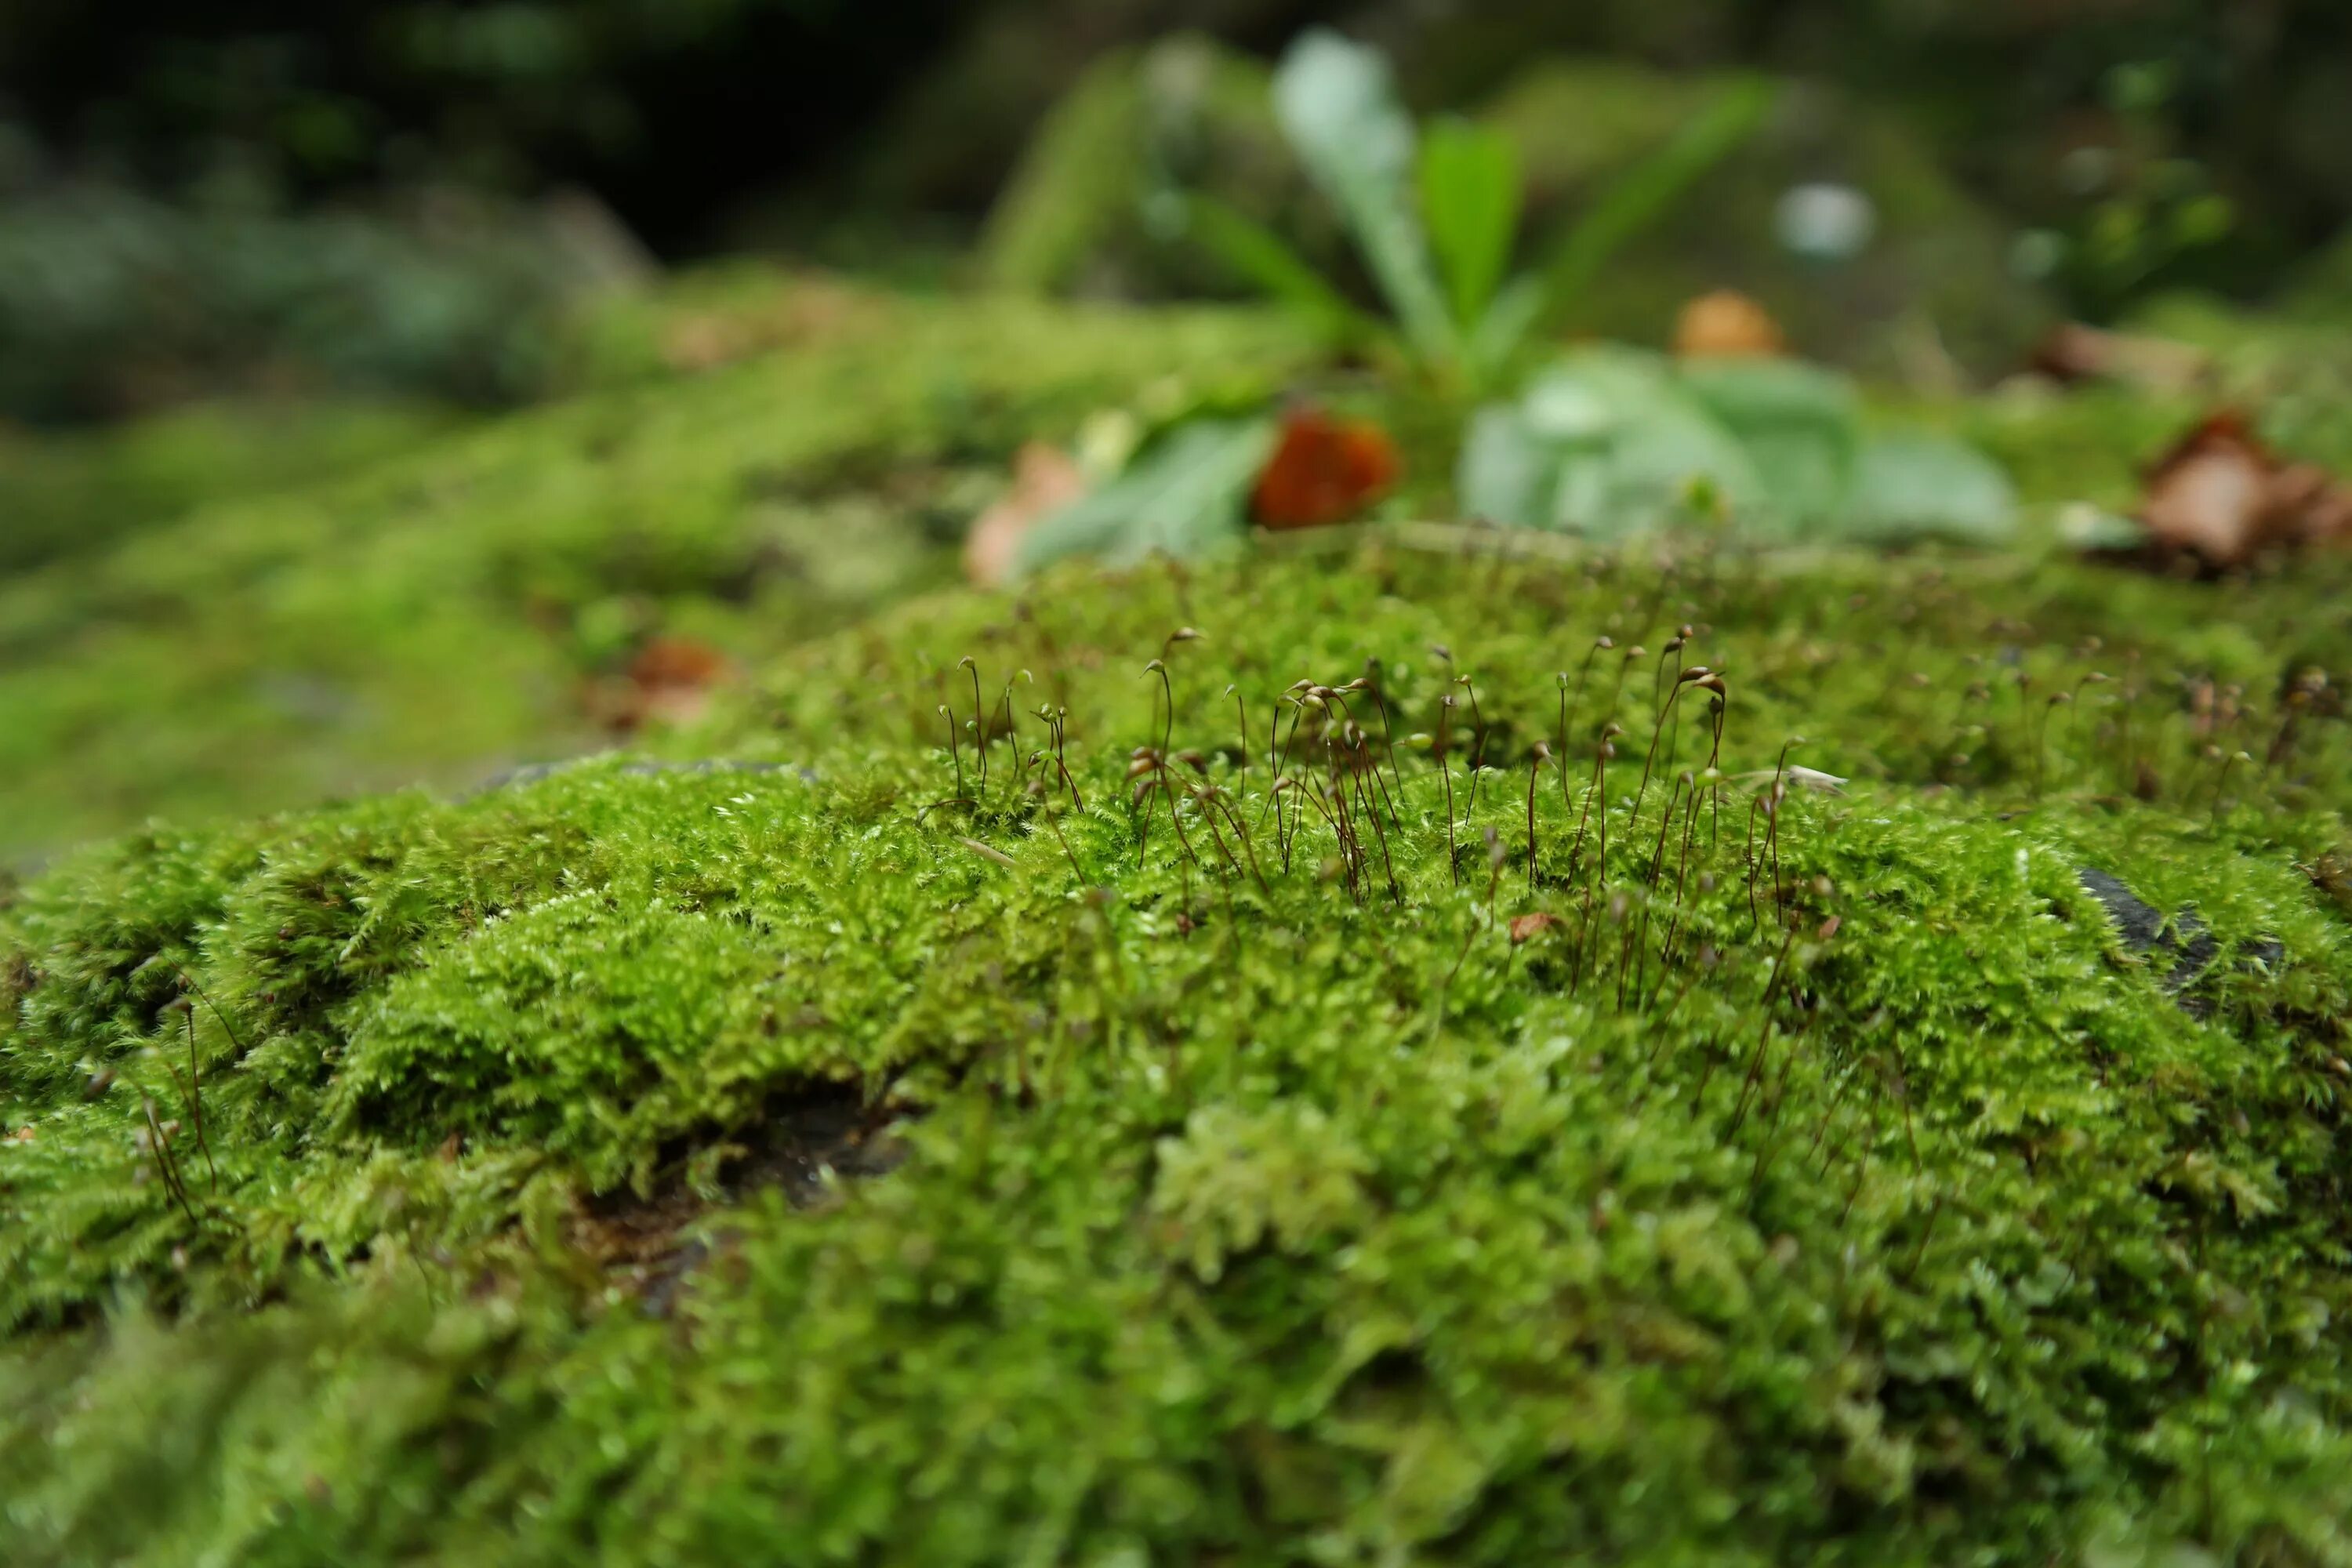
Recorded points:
(396, 195)
(269, 272)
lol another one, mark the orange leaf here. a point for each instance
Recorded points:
(1525, 926)
(668, 679)
(2220, 498)
(1323, 470)
(676, 661)
(1727, 324)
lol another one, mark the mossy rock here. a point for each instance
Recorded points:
(1409, 1177)
(760, 457)
(1089, 209)
(73, 493)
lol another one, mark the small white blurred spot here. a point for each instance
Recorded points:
(1824, 222)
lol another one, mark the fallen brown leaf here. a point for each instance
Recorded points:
(1727, 324)
(1045, 480)
(668, 680)
(2073, 352)
(2220, 498)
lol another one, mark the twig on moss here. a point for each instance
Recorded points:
(987, 853)
(1054, 821)
(165, 1165)
(1241, 712)
(1755, 1064)
(1477, 742)
(1388, 733)
(1603, 749)
(219, 1017)
(1572, 708)
(191, 1096)
(1536, 760)
(1697, 675)
(979, 720)
(955, 750)
(1453, 852)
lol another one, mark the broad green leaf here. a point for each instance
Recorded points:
(1797, 423)
(1638, 197)
(1505, 474)
(1184, 497)
(1470, 199)
(1503, 328)
(1909, 483)
(1339, 108)
(1762, 392)
(1261, 256)
(1664, 446)
(1608, 443)
(1613, 441)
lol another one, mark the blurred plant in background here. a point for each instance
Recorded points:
(1604, 441)
(112, 300)
(1611, 442)
(1827, 209)
(1436, 215)
(2109, 151)
(2144, 206)
(665, 109)
(243, 228)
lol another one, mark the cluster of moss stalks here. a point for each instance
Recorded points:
(1391, 1081)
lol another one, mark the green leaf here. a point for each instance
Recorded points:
(1754, 393)
(1505, 474)
(1641, 195)
(1184, 497)
(1339, 108)
(1908, 483)
(1661, 443)
(1797, 423)
(1608, 443)
(1262, 258)
(1506, 323)
(1470, 198)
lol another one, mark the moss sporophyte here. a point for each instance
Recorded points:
(1094, 1125)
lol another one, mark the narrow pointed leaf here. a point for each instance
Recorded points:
(1262, 259)
(1184, 497)
(1470, 199)
(1339, 108)
(1639, 196)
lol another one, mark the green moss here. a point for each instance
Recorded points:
(439, 615)
(1239, 1208)
(70, 493)
(443, 612)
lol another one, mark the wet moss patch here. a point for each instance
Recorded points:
(1405, 1162)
